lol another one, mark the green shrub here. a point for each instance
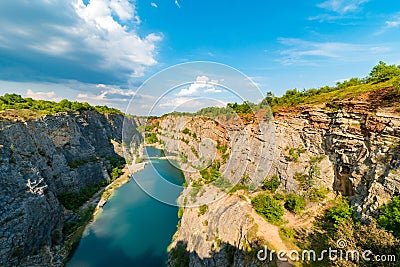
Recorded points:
(116, 173)
(287, 232)
(83, 218)
(295, 203)
(12, 160)
(267, 207)
(272, 184)
(252, 187)
(245, 178)
(340, 212)
(74, 200)
(317, 194)
(389, 218)
(77, 163)
(238, 187)
(180, 213)
(193, 193)
(211, 173)
(295, 153)
(186, 131)
(149, 128)
(194, 151)
(244, 108)
(348, 83)
(383, 72)
(203, 209)
(179, 255)
(151, 138)
(222, 183)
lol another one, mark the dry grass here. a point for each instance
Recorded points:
(22, 114)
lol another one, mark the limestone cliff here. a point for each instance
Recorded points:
(39, 160)
(350, 147)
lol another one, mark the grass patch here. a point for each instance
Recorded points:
(269, 208)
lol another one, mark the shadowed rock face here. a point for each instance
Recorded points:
(354, 147)
(39, 160)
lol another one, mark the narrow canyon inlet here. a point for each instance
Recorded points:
(134, 229)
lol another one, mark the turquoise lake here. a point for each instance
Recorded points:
(134, 229)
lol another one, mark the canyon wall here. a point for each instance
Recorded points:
(349, 147)
(41, 159)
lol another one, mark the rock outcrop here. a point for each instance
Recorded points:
(39, 160)
(349, 147)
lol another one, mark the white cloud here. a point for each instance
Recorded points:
(42, 95)
(178, 102)
(194, 88)
(307, 52)
(122, 8)
(212, 90)
(153, 4)
(177, 4)
(393, 24)
(342, 6)
(118, 45)
(98, 39)
(107, 93)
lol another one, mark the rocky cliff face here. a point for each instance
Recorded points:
(349, 147)
(39, 160)
(359, 146)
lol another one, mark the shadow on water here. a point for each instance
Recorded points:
(103, 258)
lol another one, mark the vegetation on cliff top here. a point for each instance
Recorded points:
(382, 75)
(17, 102)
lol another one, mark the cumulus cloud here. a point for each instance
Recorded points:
(153, 4)
(202, 84)
(42, 95)
(68, 39)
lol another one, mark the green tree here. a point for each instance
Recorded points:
(340, 212)
(272, 184)
(267, 207)
(295, 203)
(383, 72)
(389, 218)
(65, 104)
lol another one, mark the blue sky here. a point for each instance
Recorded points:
(101, 51)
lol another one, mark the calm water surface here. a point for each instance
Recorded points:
(134, 229)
